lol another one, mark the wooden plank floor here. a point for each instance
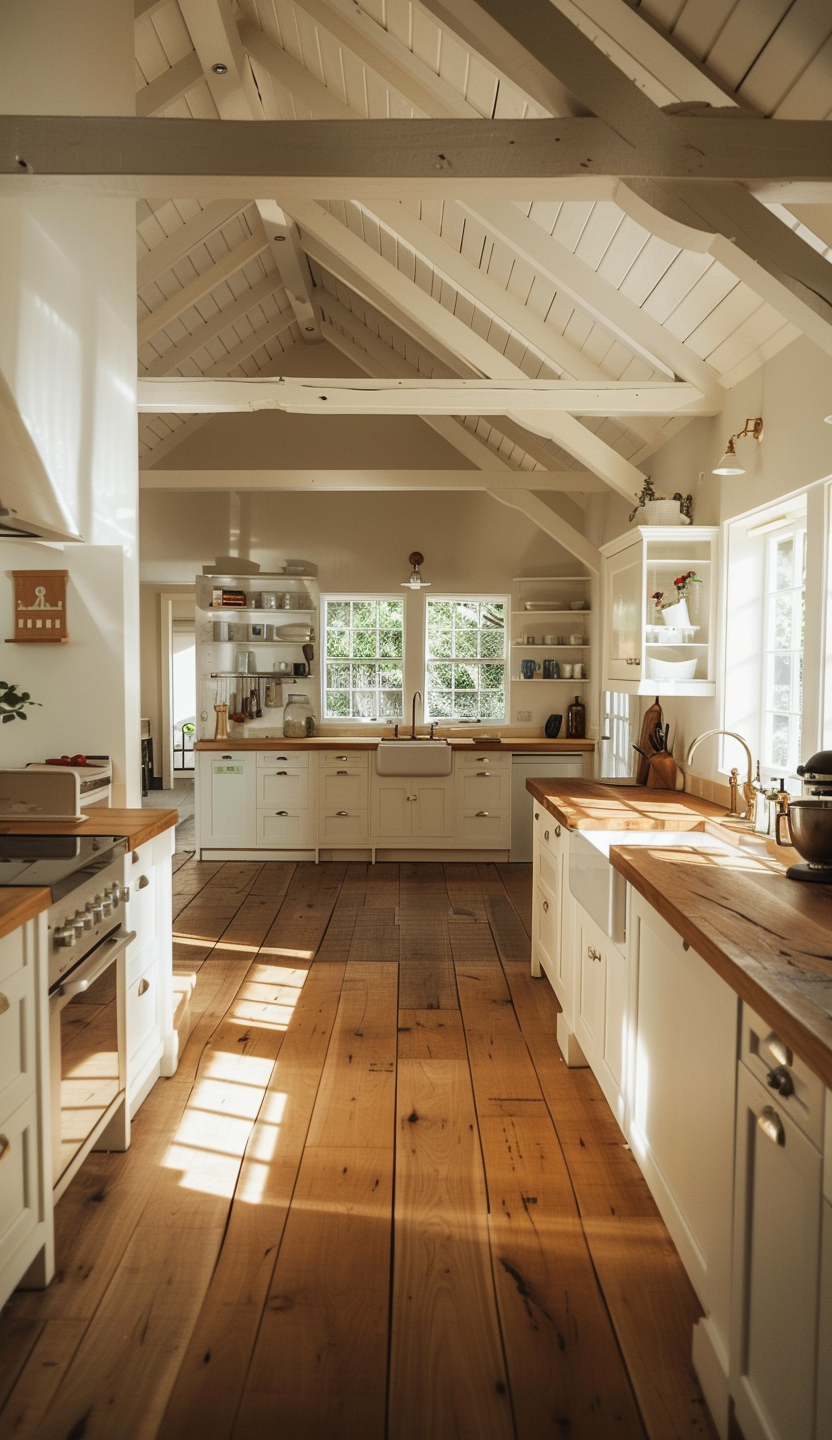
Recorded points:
(372, 1202)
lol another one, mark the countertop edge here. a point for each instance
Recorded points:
(468, 742)
(20, 903)
(137, 826)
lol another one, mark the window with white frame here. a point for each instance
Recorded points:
(765, 633)
(465, 665)
(783, 635)
(363, 657)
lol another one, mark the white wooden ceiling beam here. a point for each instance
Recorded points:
(371, 354)
(170, 86)
(176, 355)
(183, 240)
(471, 351)
(551, 523)
(496, 300)
(314, 396)
(216, 39)
(291, 76)
(797, 280)
(316, 480)
(638, 330)
(528, 159)
(293, 267)
(202, 285)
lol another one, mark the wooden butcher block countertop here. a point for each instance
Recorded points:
(20, 903)
(136, 825)
(770, 938)
(586, 805)
(370, 742)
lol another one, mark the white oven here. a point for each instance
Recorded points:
(87, 940)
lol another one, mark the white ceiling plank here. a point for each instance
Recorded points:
(322, 396)
(292, 76)
(202, 285)
(160, 93)
(226, 317)
(500, 302)
(147, 7)
(159, 450)
(614, 311)
(246, 347)
(182, 240)
(550, 522)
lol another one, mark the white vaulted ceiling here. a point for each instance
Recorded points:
(613, 283)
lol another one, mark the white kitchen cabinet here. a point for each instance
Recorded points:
(482, 785)
(411, 810)
(823, 1422)
(601, 1009)
(343, 800)
(552, 925)
(681, 1077)
(26, 1233)
(640, 653)
(778, 1219)
(226, 800)
(151, 1041)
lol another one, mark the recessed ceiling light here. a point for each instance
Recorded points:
(220, 68)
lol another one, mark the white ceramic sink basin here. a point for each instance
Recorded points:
(600, 889)
(414, 757)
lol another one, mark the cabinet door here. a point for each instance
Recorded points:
(482, 789)
(227, 795)
(776, 1259)
(342, 789)
(589, 1018)
(391, 808)
(282, 789)
(432, 812)
(682, 1078)
(823, 1426)
(625, 614)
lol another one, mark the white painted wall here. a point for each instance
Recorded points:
(68, 354)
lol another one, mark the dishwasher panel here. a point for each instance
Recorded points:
(523, 767)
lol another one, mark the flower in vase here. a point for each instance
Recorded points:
(657, 597)
(682, 582)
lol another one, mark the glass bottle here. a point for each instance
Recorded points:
(298, 719)
(576, 719)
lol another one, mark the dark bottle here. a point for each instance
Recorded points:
(576, 719)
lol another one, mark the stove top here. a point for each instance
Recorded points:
(61, 862)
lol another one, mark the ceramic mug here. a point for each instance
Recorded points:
(576, 639)
(549, 639)
(551, 670)
(578, 672)
(528, 668)
(566, 672)
(528, 640)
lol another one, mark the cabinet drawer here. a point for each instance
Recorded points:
(17, 1038)
(141, 907)
(483, 831)
(343, 789)
(768, 1057)
(481, 760)
(338, 759)
(286, 829)
(482, 788)
(283, 789)
(349, 828)
(283, 759)
(549, 829)
(142, 1011)
(19, 1190)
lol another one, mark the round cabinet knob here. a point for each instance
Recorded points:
(545, 834)
(557, 832)
(780, 1079)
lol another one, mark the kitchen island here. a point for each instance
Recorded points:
(101, 941)
(707, 1019)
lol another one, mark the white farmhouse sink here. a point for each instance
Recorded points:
(414, 757)
(600, 889)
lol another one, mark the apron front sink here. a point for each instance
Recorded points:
(414, 757)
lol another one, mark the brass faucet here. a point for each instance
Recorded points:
(749, 794)
(413, 714)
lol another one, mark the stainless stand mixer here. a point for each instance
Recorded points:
(806, 822)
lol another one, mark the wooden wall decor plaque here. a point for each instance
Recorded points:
(39, 607)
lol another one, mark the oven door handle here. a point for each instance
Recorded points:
(88, 973)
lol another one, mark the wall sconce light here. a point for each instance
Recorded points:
(729, 464)
(415, 582)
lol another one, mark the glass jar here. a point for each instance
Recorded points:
(576, 719)
(298, 719)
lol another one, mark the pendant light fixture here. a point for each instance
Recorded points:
(729, 464)
(415, 582)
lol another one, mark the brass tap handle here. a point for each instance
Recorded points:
(734, 785)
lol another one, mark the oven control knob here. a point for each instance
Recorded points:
(106, 905)
(64, 935)
(112, 895)
(95, 909)
(83, 919)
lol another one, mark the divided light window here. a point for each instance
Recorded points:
(465, 671)
(785, 611)
(363, 659)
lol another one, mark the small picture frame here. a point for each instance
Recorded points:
(39, 607)
(257, 632)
